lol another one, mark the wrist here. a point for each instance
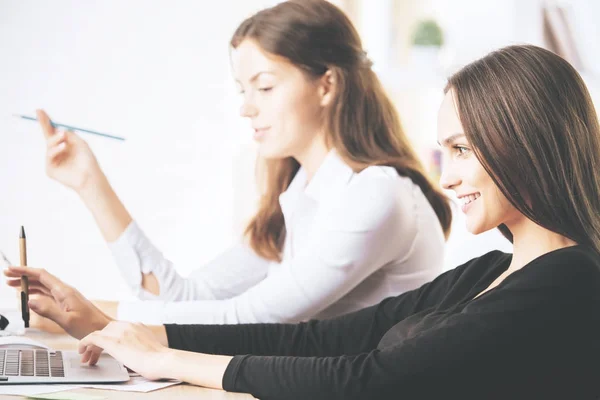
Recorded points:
(196, 368)
(94, 188)
(101, 321)
(171, 364)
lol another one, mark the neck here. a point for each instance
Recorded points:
(531, 241)
(312, 156)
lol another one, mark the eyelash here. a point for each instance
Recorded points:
(461, 150)
(264, 90)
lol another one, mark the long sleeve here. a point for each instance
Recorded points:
(536, 335)
(352, 333)
(229, 274)
(344, 249)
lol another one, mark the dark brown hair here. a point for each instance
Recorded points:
(361, 122)
(531, 121)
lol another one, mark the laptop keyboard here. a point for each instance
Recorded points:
(46, 363)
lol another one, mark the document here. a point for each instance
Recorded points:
(135, 384)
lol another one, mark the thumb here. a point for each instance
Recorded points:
(48, 308)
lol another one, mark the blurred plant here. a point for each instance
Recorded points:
(428, 33)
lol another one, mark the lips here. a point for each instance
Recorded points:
(468, 201)
(259, 133)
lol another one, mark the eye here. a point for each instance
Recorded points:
(462, 150)
(265, 89)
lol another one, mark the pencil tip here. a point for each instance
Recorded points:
(22, 235)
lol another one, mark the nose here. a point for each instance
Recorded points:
(449, 178)
(248, 109)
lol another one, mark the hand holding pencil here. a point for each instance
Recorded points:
(69, 159)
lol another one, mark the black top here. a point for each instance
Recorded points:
(536, 335)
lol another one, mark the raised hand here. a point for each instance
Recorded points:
(69, 159)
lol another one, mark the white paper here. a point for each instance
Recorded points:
(30, 390)
(135, 384)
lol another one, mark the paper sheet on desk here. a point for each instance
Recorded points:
(135, 384)
(32, 390)
(66, 396)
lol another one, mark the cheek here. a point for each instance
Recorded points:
(304, 99)
(285, 109)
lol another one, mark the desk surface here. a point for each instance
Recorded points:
(182, 391)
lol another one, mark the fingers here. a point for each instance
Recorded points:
(45, 123)
(59, 137)
(91, 354)
(96, 342)
(50, 281)
(47, 307)
(16, 281)
(55, 153)
(44, 324)
(56, 145)
(34, 287)
(14, 271)
(40, 275)
(86, 356)
(59, 145)
(94, 358)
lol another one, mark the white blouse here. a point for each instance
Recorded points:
(352, 240)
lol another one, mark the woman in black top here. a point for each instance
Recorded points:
(521, 148)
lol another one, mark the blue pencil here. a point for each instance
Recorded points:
(72, 128)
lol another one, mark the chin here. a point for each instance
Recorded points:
(476, 228)
(271, 153)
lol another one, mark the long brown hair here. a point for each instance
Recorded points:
(361, 124)
(531, 121)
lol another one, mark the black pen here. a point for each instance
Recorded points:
(24, 278)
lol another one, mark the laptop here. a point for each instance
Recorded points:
(27, 365)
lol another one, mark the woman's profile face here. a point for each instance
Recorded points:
(483, 203)
(282, 103)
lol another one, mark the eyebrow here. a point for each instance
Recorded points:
(449, 140)
(256, 75)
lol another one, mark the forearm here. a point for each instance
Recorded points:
(109, 308)
(205, 370)
(108, 211)
(349, 334)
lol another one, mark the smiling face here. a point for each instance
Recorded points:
(483, 203)
(283, 104)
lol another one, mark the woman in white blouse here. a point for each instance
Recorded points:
(347, 216)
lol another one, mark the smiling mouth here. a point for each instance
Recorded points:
(467, 201)
(259, 133)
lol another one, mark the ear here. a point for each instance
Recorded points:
(327, 87)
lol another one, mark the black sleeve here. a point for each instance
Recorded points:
(505, 343)
(352, 333)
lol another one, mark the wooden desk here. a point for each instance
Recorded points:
(182, 391)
